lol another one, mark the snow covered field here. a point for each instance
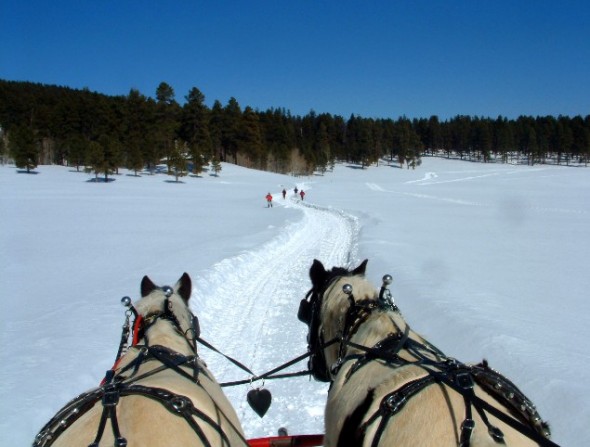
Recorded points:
(488, 261)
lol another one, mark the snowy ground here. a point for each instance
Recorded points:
(488, 260)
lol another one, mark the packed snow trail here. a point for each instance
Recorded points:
(247, 306)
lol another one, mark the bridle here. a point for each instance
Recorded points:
(438, 368)
(123, 382)
(309, 313)
(143, 323)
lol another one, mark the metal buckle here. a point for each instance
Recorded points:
(179, 403)
(110, 397)
(464, 380)
(393, 403)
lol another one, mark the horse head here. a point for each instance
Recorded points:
(325, 310)
(163, 314)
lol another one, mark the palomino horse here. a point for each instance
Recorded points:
(391, 387)
(159, 393)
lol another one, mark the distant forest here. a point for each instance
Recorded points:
(47, 124)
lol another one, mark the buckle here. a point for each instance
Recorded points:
(110, 397)
(464, 380)
(394, 402)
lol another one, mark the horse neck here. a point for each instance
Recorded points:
(164, 333)
(371, 328)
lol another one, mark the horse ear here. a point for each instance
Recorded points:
(317, 272)
(360, 270)
(147, 286)
(184, 287)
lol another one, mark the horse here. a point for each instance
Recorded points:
(389, 386)
(159, 392)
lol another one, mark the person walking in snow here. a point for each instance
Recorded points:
(269, 200)
(284, 193)
(296, 190)
(302, 194)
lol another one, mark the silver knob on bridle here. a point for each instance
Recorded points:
(387, 280)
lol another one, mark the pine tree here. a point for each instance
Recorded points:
(139, 122)
(177, 161)
(250, 138)
(165, 93)
(195, 128)
(134, 158)
(215, 130)
(230, 128)
(216, 166)
(2, 148)
(196, 158)
(322, 149)
(95, 158)
(166, 123)
(76, 150)
(23, 148)
(112, 155)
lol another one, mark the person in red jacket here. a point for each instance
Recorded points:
(269, 200)
(302, 194)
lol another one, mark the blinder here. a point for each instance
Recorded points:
(304, 312)
(308, 313)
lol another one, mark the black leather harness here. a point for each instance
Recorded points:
(124, 383)
(437, 367)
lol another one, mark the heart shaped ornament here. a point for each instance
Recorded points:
(259, 399)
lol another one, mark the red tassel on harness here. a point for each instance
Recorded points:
(136, 327)
(137, 324)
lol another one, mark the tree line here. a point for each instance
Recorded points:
(41, 124)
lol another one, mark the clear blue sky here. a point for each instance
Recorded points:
(372, 58)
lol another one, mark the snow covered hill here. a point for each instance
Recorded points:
(488, 261)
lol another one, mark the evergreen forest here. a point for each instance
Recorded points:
(48, 124)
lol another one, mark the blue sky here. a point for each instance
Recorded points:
(369, 58)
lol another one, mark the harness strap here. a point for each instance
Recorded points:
(485, 406)
(464, 381)
(182, 406)
(392, 403)
(272, 373)
(101, 426)
(387, 350)
(234, 361)
(173, 360)
(459, 378)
